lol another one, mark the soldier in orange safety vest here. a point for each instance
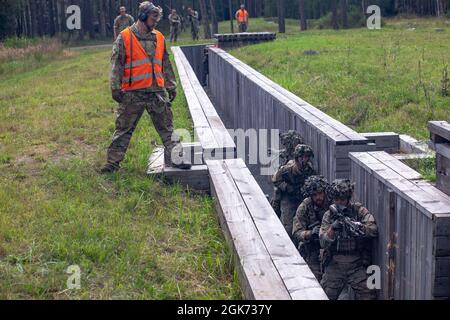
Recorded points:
(142, 78)
(242, 19)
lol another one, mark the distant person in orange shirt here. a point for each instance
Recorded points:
(242, 19)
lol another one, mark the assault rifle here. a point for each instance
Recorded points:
(351, 228)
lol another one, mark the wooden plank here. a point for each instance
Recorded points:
(440, 128)
(442, 287)
(298, 278)
(442, 267)
(442, 246)
(208, 109)
(156, 161)
(441, 225)
(396, 165)
(259, 277)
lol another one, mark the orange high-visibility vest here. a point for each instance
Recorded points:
(242, 16)
(140, 70)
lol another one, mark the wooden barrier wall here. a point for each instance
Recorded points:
(413, 217)
(245, 99)
(195, 55)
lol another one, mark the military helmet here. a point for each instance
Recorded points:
(341, 189)
(302, 150)
(290, 139)
(315, 184)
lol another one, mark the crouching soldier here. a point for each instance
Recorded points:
(288, 140)
(308, 219)
(289, 179)
(346, 236)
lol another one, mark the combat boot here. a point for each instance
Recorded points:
(109, 168)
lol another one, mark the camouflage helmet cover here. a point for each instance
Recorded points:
(341, 189)
(315, 184)
(290, 139)
(303, 150)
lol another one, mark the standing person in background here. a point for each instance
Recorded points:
(194, 21)
(242, 18)
(122, 22)
(175, 22)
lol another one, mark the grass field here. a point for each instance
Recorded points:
(372, 80)
(131, 236)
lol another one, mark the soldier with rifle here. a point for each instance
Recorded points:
(307, 221)
(289, 179)
(346, 237)
(288, 140)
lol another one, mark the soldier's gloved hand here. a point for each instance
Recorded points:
(117, 95)
(172, 95)
(337, 225)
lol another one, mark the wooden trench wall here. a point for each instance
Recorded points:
(413, 218)
(413, 248)
(267, 263)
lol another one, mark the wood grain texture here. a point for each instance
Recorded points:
(421, 225)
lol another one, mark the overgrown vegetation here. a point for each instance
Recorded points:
(133, 237)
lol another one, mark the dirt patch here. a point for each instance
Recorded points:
(36, 155)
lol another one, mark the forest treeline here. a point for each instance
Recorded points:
(33, 18)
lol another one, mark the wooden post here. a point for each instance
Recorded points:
(391, 246)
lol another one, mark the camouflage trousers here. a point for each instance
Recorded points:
(174, 31)
(194, 32)
(242, 27)
(288, 207)
(128, 115)
(339, 274)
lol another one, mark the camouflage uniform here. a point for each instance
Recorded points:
(175, 22)
(195, 24)
(346, 259)
(307, 218)
(290, 179)
(153, 99)
(289, 140)
(122, 22)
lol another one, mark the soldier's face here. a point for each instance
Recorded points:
(123, 12)
(341, 202)
(305, 159)
(319, 199)
(153, 19)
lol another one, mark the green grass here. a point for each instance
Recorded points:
(371, 80)
(132, 237)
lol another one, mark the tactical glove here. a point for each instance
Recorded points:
(117, 95)
(337, 225)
